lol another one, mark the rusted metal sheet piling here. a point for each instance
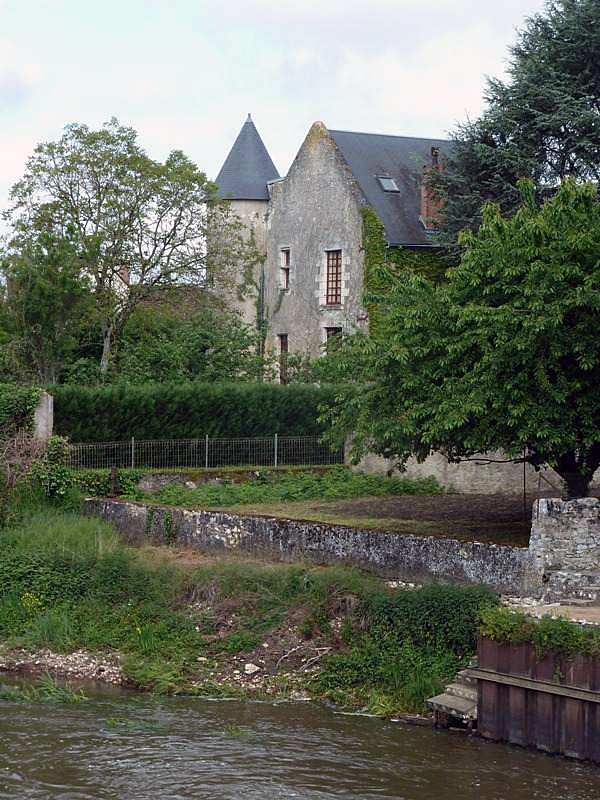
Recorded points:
(550, 702)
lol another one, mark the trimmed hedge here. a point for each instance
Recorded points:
(18, 405)
(187, 410)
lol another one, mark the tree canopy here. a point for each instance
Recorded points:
(542, 123)
(134, 224)
(505, 354)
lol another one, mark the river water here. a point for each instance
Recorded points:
(137, 747)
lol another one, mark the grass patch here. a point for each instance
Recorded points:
(68, 582)
(270, 487)
(45, 690)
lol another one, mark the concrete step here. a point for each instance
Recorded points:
(464, 690)
(459, 707)
(464, 676)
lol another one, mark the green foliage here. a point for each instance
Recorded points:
(333, 483)
(133, 227)
(542, 123)
(67, 582)
(549, 634)
(406, 646)
(187, 410)
(204, 343)
(505, 354)
(379, 259)
(48, 303)
(17, 406)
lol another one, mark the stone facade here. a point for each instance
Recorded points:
(313, 210)
(313, 216)
(486, 475)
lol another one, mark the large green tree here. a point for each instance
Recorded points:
(505, 354)
(139, 225)
(46, 305)
(542, 123)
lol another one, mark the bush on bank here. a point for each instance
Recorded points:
(548, 634)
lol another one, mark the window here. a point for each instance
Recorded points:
(331, 332)
(283, 353)
(387, 184)
(284, 271)
(333, 296)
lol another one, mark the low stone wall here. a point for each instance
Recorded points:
(392, 555)
(486, 475)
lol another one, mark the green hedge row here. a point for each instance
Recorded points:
(17, 405)
(187, 411)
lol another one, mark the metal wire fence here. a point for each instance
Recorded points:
(206, 453)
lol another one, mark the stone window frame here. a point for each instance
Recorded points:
(285, 268)
(321, 277)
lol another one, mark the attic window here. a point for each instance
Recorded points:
(387, 184)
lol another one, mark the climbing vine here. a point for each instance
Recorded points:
(380, 260)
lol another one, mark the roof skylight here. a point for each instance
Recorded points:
(387, 184)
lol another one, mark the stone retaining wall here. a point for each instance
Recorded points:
(565, 534)
(392, 555)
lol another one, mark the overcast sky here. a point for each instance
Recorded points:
(185, 73)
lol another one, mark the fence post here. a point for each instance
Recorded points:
(275, 452)
(206, 451)
(132, 452)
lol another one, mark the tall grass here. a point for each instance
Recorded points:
(68, 582)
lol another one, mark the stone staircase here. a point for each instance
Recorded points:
(458, 701)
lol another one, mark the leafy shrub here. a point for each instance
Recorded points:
(187, 410)
(406, 645)
(17, 405)
(548, 634)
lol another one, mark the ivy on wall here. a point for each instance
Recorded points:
(18, 405)
(381, 261)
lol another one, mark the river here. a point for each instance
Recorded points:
(137, 747)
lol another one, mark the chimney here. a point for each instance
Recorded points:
(431, 206)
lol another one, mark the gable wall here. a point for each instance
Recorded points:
(314, 209)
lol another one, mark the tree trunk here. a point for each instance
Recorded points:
(577, 468)
(576, 485)
(107, 337)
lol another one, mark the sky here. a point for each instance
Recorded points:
(185, 73)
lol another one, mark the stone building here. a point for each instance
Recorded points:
(309, 224)
(243, 179)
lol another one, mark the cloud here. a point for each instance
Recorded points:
(18, 75)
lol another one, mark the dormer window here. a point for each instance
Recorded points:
(387, 184)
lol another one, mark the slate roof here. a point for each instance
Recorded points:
(370, 155)
(247, 168)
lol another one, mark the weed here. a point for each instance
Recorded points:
(335, 483)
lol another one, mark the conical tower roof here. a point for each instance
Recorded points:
(247, 168)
